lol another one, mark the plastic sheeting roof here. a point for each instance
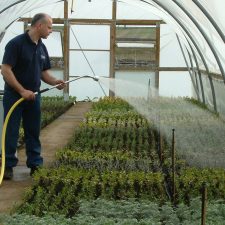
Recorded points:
(199, 24)
(11, 10)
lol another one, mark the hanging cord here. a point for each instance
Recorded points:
(87, 60)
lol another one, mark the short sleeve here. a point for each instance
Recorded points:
(11, 54)
(47, 64)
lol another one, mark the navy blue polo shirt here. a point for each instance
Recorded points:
(28, 60)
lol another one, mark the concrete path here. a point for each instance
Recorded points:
(53, 137)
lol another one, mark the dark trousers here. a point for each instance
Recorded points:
(30, 113)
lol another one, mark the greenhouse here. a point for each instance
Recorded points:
(132, 112)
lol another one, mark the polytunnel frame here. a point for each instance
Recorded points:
(3, 10)
(204, 35)
(193, 41)
(199, 73)
(9, 6)
(188, 67)
(194, 74)
(209, 17)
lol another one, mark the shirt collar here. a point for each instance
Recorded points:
(29, 39)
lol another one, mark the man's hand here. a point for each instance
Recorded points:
(62, 84)
(11, 80)
(28, 95)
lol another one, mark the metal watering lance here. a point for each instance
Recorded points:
(95, 78)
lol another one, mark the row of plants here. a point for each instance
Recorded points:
(117, 118)
(53, 107)
(141, 142)
(126, 212)
(111, 103)
(106, 160)
(58, 190)
(189, 180)
(189, 183)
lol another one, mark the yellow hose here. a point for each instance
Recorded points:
(4, 134)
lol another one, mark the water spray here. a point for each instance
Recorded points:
(95, 78)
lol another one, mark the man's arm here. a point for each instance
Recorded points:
(11, 80)
(49, 79)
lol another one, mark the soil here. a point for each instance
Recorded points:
(53, 137)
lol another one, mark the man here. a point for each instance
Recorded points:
(25, 63)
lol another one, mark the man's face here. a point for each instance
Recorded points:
(45, 28)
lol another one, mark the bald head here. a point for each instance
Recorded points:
(40, 18)
(41, 26)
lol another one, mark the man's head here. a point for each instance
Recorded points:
(42, 24)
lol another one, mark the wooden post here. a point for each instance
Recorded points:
(25, 25)
(173, 166)
(157, 57)
(66, 50)
(204, 203)
(113, 43)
